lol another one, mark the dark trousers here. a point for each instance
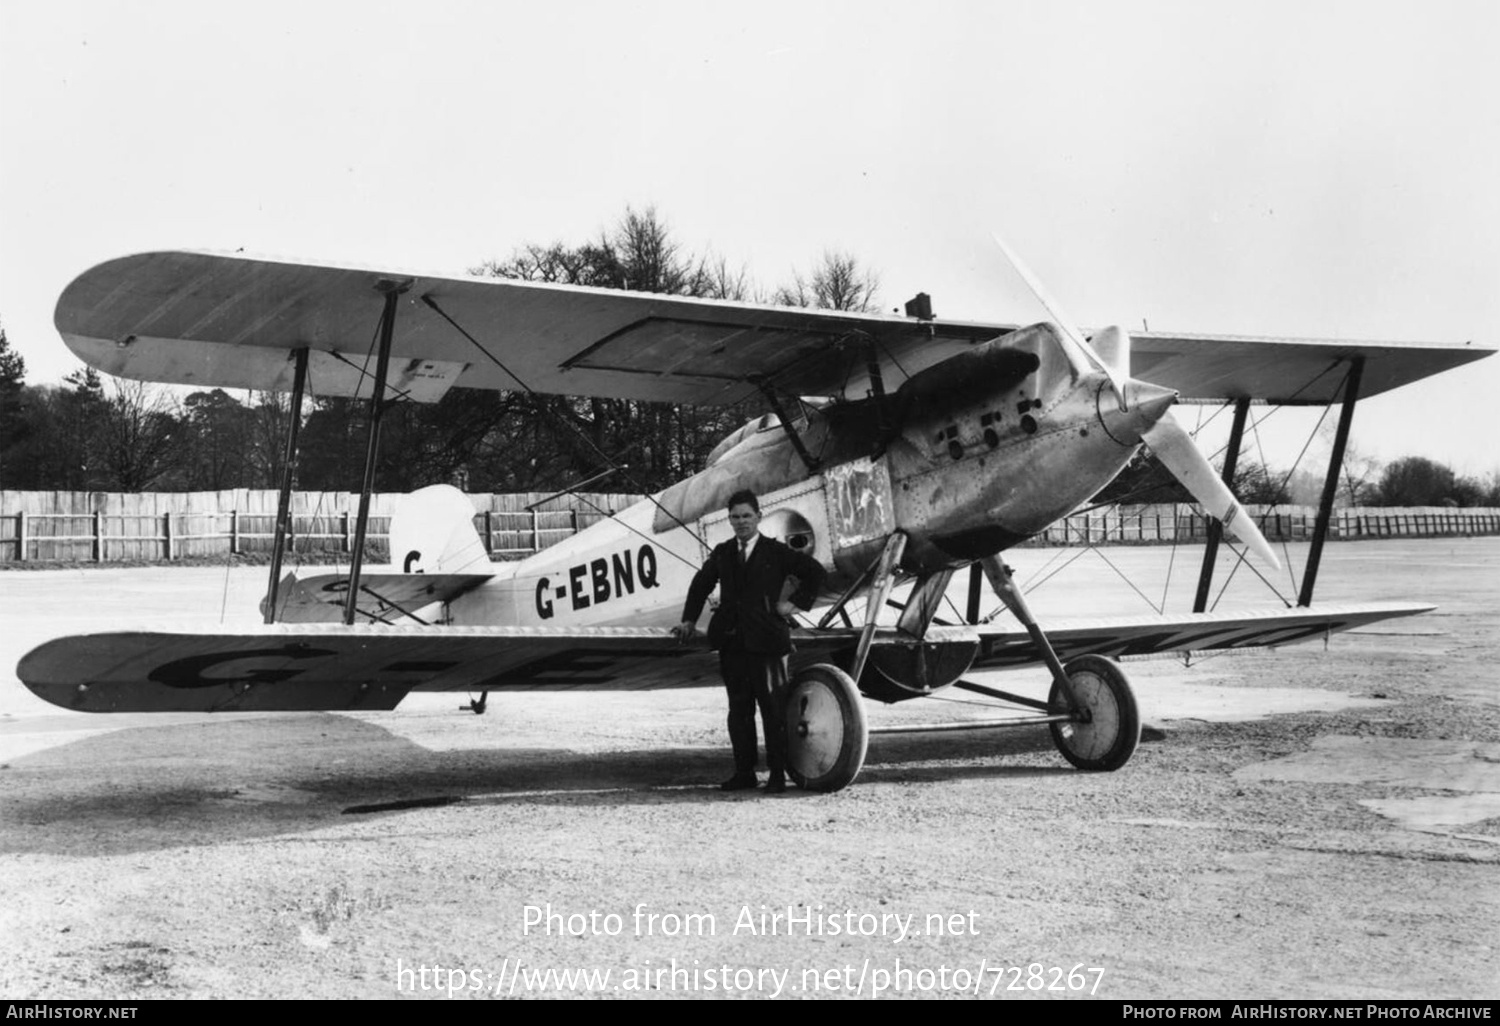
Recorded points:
(755, 679)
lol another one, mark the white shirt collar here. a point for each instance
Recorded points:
(749, 546)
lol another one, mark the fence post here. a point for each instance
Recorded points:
(234, 532)
(21, 537)
(98, 536)
(166, 519)
(344, 526)
(489, 532)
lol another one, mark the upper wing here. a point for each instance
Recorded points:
(1292, 371)
(226, 320)
(205, 319)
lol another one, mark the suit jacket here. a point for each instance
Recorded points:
(747, 617)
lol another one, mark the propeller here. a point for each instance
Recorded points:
(1173, 446)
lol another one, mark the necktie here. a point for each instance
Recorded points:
(744, 552)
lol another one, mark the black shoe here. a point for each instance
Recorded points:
(740, 782)
(776, 785)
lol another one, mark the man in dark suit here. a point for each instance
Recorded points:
(760, 581)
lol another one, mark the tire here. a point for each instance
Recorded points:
(826, 734)
(1106, 737)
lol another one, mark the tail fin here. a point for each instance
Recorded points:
(433, 532)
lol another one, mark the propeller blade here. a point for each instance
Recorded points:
(1080, 356)
(1112, 346)
(1179, 454)
(1048, 303)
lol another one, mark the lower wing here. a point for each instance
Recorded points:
(285, 668)
(1189, 632)
(334, 667)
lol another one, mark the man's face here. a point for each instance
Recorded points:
(744, 519)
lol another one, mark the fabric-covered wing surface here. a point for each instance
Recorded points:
(336, 667)
(234, 321)
(1117, 637)
(283, 667)
(206, 319)
(1290, 371)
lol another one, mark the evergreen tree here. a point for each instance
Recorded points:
(14, 425)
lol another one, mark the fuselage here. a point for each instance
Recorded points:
(968, 458)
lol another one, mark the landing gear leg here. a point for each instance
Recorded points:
(881, 575)
(477, 706)
(1106, 724)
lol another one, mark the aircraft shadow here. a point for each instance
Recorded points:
(151, 788)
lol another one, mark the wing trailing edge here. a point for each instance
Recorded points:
(1190, 632)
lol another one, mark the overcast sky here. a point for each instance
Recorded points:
(1321, 169)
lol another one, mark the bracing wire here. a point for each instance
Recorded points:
(588, 442)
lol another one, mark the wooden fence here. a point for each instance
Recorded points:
(109, 527)
(1165, 524)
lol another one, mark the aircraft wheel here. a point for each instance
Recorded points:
(1107, 735)
(826, 736)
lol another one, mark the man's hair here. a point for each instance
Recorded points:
(744, 497)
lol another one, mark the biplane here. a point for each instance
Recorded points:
(898, 449)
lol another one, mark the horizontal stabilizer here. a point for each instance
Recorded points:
(383, 598)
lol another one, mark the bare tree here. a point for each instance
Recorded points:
(1361, 474)
(723, 282)
(568, 438)
(271, 416)
(593, 264)
(838, 282)
(138, 436)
